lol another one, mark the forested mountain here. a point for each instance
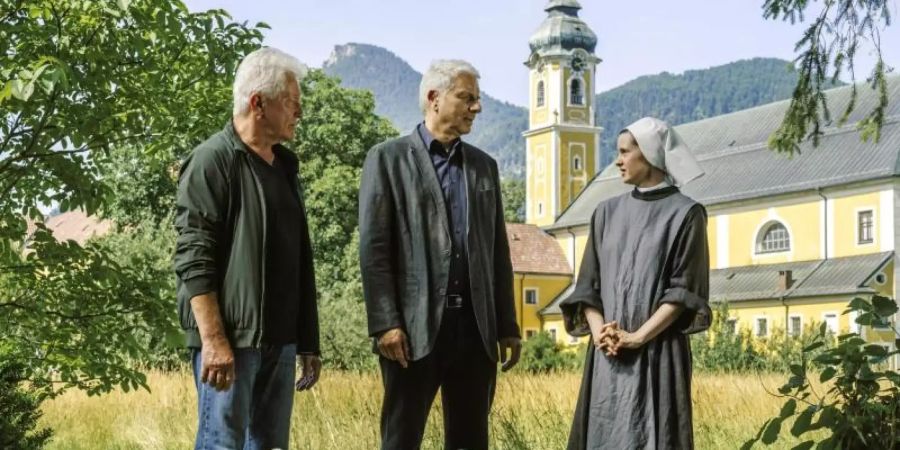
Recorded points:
(498, 129)
(693, 95)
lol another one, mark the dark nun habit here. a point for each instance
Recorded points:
(646, 247)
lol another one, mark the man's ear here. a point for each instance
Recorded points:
(256, 103)
(433, 96)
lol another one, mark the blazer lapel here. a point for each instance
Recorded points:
(429, 177)
(471, 173)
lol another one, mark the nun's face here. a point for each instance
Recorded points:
(633, 167)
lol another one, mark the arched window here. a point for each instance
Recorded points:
(576, 92)
(773, 238)
(540, 93)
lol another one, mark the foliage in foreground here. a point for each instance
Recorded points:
(861, 408)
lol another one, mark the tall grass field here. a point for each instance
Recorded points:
(341, 412)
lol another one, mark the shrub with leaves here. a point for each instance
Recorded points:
(541, 354)
(19, 411)
(861, 408)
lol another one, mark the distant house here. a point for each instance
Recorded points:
(541, 273)
(73, 225)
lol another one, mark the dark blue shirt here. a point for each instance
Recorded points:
(448, 165)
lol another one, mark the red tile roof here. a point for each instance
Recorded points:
(74, 225)
(534, 251)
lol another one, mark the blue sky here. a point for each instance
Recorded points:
(637, 37)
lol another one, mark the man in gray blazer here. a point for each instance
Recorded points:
(436, 270)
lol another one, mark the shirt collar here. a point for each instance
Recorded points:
(429, 140)
(662, 185)
(286, 157)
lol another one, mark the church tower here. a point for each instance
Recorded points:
(562, 141)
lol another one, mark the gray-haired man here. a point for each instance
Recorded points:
(436, 269)
(246, 289)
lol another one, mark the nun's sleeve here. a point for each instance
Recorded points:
(587, 286)
(688, 279)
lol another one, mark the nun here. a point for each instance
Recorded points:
(642, 288)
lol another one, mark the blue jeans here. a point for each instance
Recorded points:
(255, 412)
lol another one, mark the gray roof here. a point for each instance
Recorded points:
(562, 31)
(553, 307)
(835, 276)
(732, 150)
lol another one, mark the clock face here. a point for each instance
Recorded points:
(577, 64)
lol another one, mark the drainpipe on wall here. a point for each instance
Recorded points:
(521, 291)
(785, 283)
(825, 238)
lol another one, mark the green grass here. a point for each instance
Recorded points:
(530, 412)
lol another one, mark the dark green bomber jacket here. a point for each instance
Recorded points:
(221, 223)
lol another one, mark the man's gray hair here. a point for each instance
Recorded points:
(264, 71)
(439, 77)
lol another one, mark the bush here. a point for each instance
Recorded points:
(721, 349)
(19, 411)
(541, 354)
(862, 406)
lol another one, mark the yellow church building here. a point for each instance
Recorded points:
(792, 239)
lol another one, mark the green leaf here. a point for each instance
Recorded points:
(797, 370)
(827, 359)
(866, 374)
(827, 374)
(788, 409)
(865, 318)
(22, 90)
(884, 307)
(828, 417)
(796, 381)
(772, 430)
(6, 92)
(801, 424)
(124, 4)
(875, 350)
(805, 445)
(813, 346)
(175, 338)
(897, 344)
(859, 304)
(893, 377)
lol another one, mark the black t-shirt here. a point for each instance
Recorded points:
(283, 216)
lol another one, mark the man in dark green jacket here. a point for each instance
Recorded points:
(243, 259)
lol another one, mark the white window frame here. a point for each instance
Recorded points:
(791, 331)
(856, 233)
(837, 321)
(537, 298)
(733, 323)
(530, 333)
(756, 320)
(761, 235)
